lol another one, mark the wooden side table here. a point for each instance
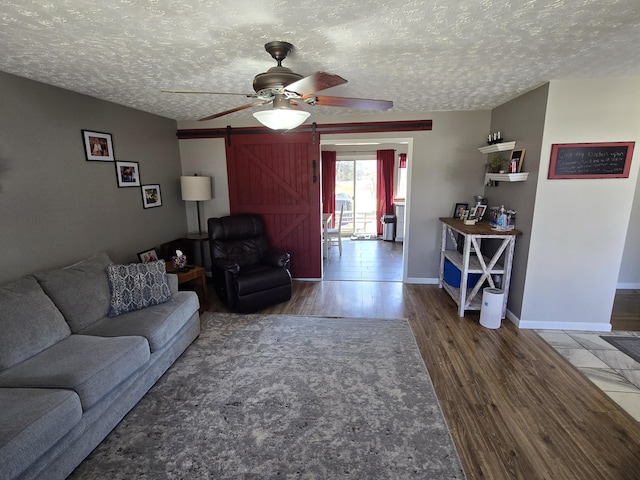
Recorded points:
(194, 273)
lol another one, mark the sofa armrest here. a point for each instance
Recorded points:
(276, 259)
(172, 280)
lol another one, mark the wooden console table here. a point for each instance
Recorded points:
(475, 262)
(194, 273)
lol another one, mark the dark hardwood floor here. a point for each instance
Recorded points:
(516, 409)
(626, 311)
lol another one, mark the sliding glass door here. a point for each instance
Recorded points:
(356, 191)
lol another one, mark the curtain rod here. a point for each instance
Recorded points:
(338, 152)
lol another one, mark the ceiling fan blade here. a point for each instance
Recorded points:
(314, 83)
(362, 103)
(233, 110)
(248, 95)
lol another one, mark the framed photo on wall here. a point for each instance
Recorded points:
(128, 174)
(151, 196)
(98, 146)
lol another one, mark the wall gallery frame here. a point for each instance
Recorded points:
(128, 174)
(98, 146)
(151, 196)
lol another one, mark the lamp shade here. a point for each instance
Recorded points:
(281, 118)
(195, 188)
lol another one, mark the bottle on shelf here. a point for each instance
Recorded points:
(502, 217)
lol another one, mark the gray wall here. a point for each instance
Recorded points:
(56, 207)
(580, 225)
(630, 268)
(522, 120)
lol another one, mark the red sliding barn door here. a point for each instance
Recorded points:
(278, 177)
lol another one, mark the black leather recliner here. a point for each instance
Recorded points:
(247, 275)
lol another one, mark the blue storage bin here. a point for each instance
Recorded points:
(452, 276)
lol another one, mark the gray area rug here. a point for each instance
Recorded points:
(627, 345)
(273, 396)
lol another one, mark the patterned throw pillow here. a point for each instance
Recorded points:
(136, 286)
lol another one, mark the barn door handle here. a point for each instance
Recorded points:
(315, 177)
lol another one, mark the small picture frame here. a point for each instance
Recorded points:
(98, 146)
(128, 174)
(480, 211)
(459, 209)
(148, 256)
(518, 156)
(151, 196)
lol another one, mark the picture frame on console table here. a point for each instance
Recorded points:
(480, 211)
(151, 196)
(459, 209)
(98, 146)
(148, 256)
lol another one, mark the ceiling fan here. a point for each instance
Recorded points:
(285, 89)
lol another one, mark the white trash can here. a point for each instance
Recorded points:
(388, 227)
(491, 311)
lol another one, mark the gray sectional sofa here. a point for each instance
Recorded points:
(71, 368)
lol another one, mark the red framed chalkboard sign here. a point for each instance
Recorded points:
(590, 160)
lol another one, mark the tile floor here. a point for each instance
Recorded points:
(615, 373)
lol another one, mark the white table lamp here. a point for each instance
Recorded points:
(196, 189)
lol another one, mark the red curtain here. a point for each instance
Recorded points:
(329, 183)
(402, 163)
(384, 194)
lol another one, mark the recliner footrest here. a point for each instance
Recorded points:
(260, 280)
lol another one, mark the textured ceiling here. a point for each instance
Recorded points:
(422, 55)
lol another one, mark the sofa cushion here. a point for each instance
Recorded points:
(136, 286)
(32, 420)
(158, 323)
(91, 366)
(80, 291)
(29, 321)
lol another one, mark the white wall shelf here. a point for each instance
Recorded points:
(506, 177)
(498, 147)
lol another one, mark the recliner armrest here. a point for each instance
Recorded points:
(276, 259)
(226, 265)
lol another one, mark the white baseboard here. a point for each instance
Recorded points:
(628, 286)
(538, 325)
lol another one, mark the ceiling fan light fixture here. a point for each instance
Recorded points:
(281, 118)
